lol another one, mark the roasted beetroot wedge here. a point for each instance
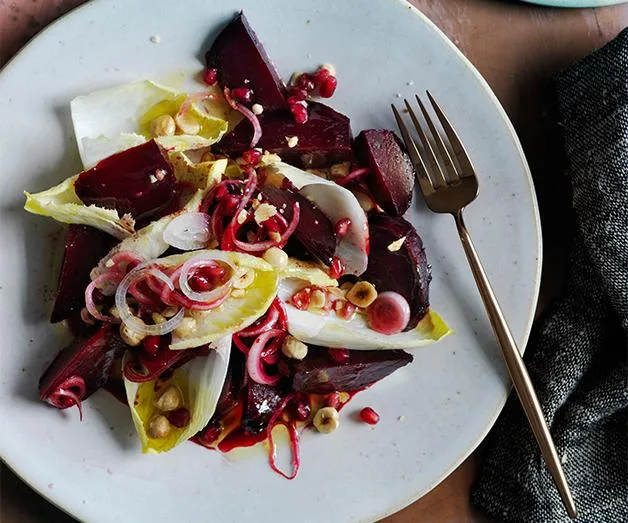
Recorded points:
(320, 373)
(84, 248)
(232, 389)
(403, 269)
(323, 140)
(241, 61)
(81, 368)
(261, 403)
(315, 231)
(391, 179)
(139, 181)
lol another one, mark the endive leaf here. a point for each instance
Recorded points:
(109, 120)
(336, 203)
(328, 330)
(200, 175)
(235, 313)
(309, 272)
(200, 382)
(61, 203)
(148, 242)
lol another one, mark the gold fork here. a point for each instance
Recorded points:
(449, 188)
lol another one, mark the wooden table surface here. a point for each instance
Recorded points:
(518, 48)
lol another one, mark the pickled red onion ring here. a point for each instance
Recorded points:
(198, 261)
(269, 320)
(352, 176)
(248, 114)
(126, 315)
(64, 396)
(254, 363)
(263, 246)
(89, 296)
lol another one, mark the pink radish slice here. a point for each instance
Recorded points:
(389, 313)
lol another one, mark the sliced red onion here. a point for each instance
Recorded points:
(248, 114)
(191, 100)
(352, 176)
(68, 393)
(198, 261)
(126, 315)
(267, 322)
(389, 313)
(263, 246)
(125, 258)
(254, 362)
(89, 296)
(188, 231)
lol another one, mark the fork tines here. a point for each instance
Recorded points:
(438, 158)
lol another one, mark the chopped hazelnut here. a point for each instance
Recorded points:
(326, 420)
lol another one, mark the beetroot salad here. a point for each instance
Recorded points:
(235, 260)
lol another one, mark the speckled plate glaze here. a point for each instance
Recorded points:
(433, 412)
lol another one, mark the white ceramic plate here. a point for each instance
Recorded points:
(434, 412)
(576, 3)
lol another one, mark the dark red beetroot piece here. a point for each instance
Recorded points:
(391, 179)
(324, 139)
(320, 373)
(139, 181)
(315, 231)
(84, 248)
(81, 368)
(232, 388)
(261, 403)
(404, 271)
(241, 61)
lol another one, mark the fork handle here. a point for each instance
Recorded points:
(516, 368)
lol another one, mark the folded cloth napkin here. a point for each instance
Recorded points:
(577, 357)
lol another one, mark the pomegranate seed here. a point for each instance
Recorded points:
(252, 156)
(328, 87)
(179, 418)
(301, 299)
(297, 94)
(320, 76)
(200, 283)
(210, 76)
(287, 185)
(368, 415)
(151, 345)
(342, 227)
(299, 113)
(242, 94)
(305, 82)
(337, 268)
(206, 278)
(347, 311)
(273, 225)
(333, 400)
(300, 409)
(339, 355)
(389, 313)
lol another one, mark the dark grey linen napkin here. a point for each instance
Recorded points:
(577, 357)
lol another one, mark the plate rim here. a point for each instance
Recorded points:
(64, 506)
